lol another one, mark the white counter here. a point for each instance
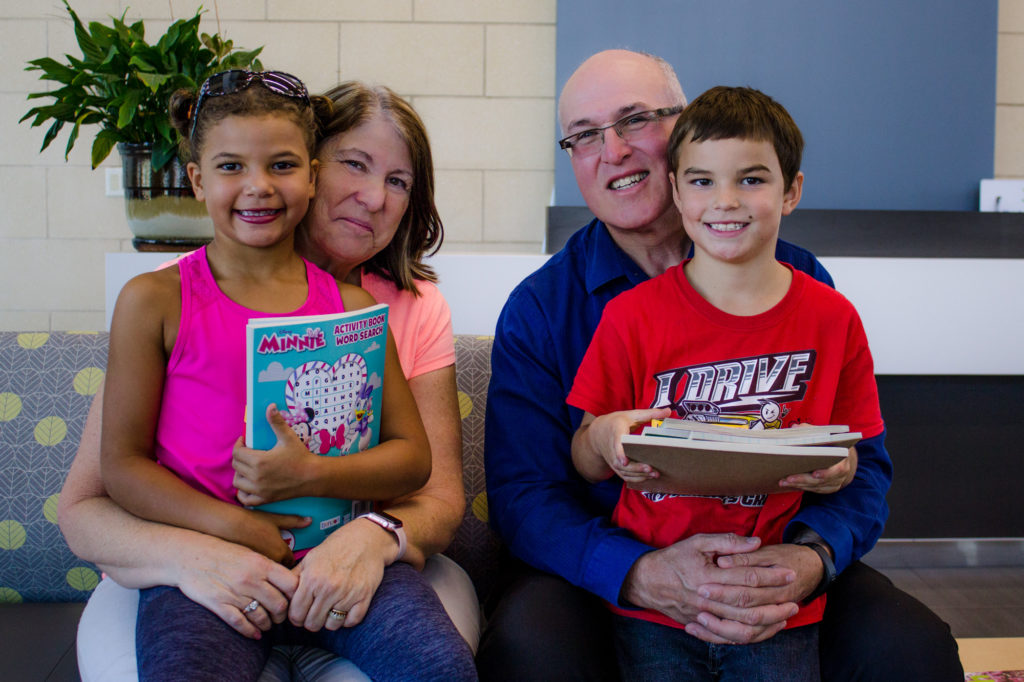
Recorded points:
(922, 315)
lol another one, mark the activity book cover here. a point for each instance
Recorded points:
(324, 373)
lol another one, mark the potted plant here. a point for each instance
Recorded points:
(122, 84)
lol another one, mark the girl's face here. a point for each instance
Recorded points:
(256, 178)
(362, 193)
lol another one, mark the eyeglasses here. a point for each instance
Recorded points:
(236, 80)
(589, 141)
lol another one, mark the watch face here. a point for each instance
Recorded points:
(390, 519)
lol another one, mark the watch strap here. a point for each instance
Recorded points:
(395, 529)
(829, 566)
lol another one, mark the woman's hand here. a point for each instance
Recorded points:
(225, 578)
(341, 573)
(280, 473)
(825, 481)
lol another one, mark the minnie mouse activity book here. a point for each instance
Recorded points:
(324, 373)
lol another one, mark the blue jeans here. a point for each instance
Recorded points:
(649, 651)
(406, 635)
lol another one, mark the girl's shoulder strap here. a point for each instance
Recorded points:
(197, 284)
(323, 289)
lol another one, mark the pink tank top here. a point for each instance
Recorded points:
(203, 409)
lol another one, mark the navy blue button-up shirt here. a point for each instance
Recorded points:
(544, 511)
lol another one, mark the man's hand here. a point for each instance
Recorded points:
(802, 562)
(678, 581)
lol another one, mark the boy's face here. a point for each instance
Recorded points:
(732, 196)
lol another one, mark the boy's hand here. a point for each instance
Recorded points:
(825, 481)
(602, 437)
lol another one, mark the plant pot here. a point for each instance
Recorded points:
(163, 213)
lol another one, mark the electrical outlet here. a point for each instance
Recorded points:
(1001, 195)
(114, 187)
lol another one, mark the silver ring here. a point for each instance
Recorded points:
(340, 615)
(251, 606)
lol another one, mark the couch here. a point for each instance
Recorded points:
(47, 381)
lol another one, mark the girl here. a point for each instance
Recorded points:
(174, 400)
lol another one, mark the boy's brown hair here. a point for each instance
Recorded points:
(725, 112)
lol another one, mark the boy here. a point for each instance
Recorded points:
(727, 332)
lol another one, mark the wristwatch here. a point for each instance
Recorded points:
(830, 569)
(392, 525)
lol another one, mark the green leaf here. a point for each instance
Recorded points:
(71, 139)
(51, 134)
(154, 81)
(171, 37)
(126, 112)
(103, 36)
(141, 62)
(137, 31)
(52, 69)
(162, 154)
(101, 146)
(85, 43)
(240, 60)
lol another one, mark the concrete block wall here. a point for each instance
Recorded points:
(480, 72)
(1009, 153)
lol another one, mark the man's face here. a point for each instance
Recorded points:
(625, 184)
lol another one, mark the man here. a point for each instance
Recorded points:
(617, 111)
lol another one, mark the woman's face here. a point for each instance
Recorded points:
(362, 192)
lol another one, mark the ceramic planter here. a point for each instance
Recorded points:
(163, 213)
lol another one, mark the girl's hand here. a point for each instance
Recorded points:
(280, 473)
(341, 573)
(261, 532)
(825, 481)
(226, 577)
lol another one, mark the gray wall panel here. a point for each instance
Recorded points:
(896, 99)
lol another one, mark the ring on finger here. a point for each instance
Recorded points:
(251, 606)
(338, 615)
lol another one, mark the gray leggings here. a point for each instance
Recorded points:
(406, 635)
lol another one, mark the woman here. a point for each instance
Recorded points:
(370, 223)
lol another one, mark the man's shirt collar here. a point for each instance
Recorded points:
(606, 262)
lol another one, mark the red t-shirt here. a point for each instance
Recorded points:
(660, 344)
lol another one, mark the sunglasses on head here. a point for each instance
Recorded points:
(236, 80)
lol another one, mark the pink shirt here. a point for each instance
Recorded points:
(203, 408)
(422, 326)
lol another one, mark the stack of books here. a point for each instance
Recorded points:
(698, 458)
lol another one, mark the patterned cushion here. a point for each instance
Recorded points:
(476, 546)
(47, 382)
